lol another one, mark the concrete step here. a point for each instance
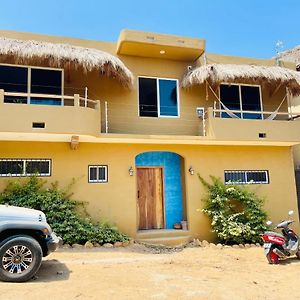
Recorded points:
(167, 241)
(161, 233)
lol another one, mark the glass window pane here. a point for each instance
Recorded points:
(102, 173)
(168, 97)
(15, 99)
(37, 167)
(45, 81)
(45, 101)
(13, 79)
(11, 167)
(147, 97)
(93, 174)
(251, 101)
(230, 97)
(259, 176)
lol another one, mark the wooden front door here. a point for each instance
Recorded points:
(150, 198)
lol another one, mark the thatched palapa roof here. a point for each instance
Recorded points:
(292, 55)
(215, 74)
(61, 55)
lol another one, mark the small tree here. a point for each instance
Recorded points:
(236, 213)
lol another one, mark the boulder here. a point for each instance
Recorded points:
(108, 245)
(118, 244)
(88, 245)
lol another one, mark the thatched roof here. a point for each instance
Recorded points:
(229, 73)
(292, 55)
(61, 55)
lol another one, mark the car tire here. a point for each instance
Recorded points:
(20, 258)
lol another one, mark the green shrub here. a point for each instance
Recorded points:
(63, 214)
(236, 213)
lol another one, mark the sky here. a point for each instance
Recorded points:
(232, 27)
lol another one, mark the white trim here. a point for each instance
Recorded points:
(29, 68)
(23, 162)
(158, 96)
(245, 173)
(240, 95)
(105, 180)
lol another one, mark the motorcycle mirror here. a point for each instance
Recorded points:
(269, 223)
(291, 212)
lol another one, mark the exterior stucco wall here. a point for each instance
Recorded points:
(115, 201)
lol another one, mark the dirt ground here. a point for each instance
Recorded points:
(136, 272)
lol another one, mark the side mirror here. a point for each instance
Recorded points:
(291, 212)
(269, 223)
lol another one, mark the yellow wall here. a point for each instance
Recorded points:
(123, 104)
(115, 201)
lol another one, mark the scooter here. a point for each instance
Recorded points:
(281, 246)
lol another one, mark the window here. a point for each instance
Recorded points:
(242, 98)
(246, 177)
(98, 174)
(158, 97)
(31, 80)
(25, 167)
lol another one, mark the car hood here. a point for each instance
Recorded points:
(14, 213)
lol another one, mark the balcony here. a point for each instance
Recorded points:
(40, 113)
(273, 127)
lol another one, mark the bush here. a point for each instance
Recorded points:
(62, 213)
(236, 212)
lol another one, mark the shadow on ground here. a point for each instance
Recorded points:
(290, 260)
(52, 270)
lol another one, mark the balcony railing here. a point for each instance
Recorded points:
(255, 115)
(44, 99)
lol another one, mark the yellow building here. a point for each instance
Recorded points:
(135, 121)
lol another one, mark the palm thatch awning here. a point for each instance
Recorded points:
(215, 74)
(292, 55)
(65, 55)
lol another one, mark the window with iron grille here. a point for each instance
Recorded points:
(98, 174)
(246, 177)
(25, 167)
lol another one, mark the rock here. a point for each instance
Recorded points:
(235, 246)
(88, 245)
(205, 243)
(219, 246)
(108, 245)
(197, 243)
(241, 246)
(77, 246)
(258, 245)
(118, 244)
(66, 246)
(131, 242)
(125, 244)
(247, 246)
(97, 245)
(252, 245)
(212, 245)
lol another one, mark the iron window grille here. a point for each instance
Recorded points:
(25, 167)
(246, 177)
(98, 174)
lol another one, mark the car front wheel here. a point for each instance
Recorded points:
(20, 258)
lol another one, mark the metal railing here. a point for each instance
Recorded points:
(259, 115)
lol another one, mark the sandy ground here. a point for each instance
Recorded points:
(135, 272)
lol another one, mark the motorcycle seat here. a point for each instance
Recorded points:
(274, 234)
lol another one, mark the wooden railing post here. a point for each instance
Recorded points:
(76, 100)
(1, 97)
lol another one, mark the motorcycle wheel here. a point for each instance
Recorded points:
(272, 258)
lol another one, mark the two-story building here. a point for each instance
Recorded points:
(135, 121)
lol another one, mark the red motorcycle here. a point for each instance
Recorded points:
(281, 245)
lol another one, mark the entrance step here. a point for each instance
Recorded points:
(169, 237)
